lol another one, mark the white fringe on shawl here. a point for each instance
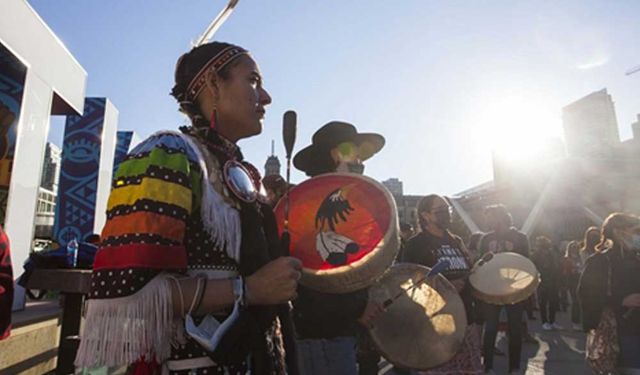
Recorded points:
(120, 331)
(221, 221)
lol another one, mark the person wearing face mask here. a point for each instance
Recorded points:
(432, 244)
(503, 237)
(327, 324)
(611, 278)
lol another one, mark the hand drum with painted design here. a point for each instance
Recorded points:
(344, 229)
(504, 279)
(425, 326)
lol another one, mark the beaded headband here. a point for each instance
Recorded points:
(216, 63)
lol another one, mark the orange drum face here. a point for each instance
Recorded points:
(336, 220)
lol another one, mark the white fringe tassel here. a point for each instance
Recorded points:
(221, 221)
(120, 331)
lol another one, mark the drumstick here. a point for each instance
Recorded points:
(289, 126)
(438, 268)
(484, 259)
(216, 23)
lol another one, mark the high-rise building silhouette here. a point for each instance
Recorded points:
(590, 125)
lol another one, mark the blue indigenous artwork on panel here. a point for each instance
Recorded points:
(123, 143)
(76, 204)
(12, 77)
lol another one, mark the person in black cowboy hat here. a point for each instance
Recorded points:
(326, 324)
(337, 147)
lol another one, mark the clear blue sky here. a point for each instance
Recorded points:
(436, 78)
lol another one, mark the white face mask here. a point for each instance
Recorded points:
(210, 331)
(350, 167)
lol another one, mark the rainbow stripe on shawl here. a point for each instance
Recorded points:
(154, 191)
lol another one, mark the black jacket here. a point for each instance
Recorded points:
(548, 264)
(593, 289)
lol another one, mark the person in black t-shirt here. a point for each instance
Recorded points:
(503, 238)
(433, 243)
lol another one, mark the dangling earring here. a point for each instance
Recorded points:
(214, 119)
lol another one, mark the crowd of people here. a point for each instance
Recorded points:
(192, 277)
(193, 255)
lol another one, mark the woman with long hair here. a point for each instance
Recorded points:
(589, 243)
(611, 279)
(189, 277)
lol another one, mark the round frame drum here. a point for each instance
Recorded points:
(344, 229)
(424, 327)
(506, 278)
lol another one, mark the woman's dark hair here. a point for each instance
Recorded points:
(572, 244)
(617, 220)
(187, 67)
(424, 205)
(590, 244)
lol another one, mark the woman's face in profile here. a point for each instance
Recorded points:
(242, 101)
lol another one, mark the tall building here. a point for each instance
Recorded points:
(51, 167)
(590, 125)
(559, 196)
(394, 185)
(48, 191)
(272, 166)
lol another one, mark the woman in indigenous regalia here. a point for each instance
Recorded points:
(189, 277)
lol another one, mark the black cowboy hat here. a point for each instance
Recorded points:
(313, 158)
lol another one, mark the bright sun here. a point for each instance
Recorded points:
(518, 128)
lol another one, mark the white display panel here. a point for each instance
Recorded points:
(51, 69)
(105, 174)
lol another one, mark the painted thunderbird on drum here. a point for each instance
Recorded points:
(332, 246)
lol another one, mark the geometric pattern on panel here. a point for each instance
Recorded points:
(12, 77)
(123, 143)
(76, 202)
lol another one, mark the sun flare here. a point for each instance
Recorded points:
(518, 127)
